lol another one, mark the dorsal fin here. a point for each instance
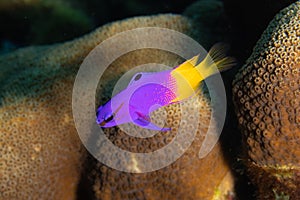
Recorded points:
(216, 60)
(191, 63)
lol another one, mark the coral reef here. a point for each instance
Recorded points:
(41, 154)
(266, 95)
(187, 178)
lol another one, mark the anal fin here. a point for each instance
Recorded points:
(144, 121)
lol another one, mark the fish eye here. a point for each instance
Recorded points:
(138, 77)
(109, 117)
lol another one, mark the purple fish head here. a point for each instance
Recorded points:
(114, 112)
(105, 116)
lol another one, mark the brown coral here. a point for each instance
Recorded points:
(40, 152)
(187, 178)
(41, 155)
(266, 94)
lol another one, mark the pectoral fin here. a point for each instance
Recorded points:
(144, 121)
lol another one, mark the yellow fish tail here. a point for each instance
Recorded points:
(215, 61)
(189, 74)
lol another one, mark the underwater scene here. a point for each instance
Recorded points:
(150, 100)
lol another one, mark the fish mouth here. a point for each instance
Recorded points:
(102, 123)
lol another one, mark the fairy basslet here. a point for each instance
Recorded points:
(148, 91)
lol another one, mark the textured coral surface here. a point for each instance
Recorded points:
(41, 155)
(267, 98)
(187, 178)
(40, 151)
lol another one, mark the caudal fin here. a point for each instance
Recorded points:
(215, 61)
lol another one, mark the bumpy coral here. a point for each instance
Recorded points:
(267, 99)
(41, 155)
(40, 151)
(187, 178)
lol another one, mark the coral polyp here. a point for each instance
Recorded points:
(266, 95)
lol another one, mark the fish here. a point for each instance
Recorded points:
(149, 91)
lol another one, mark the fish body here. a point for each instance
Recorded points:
(142, 96)
(148, 91)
